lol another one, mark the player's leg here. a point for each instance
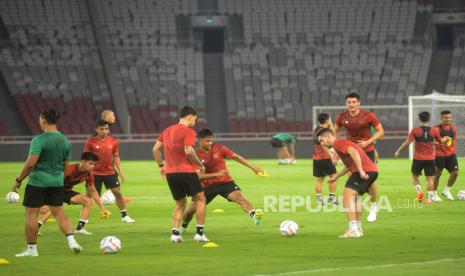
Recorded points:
(437, 177)
(373, 212)
(111, 182)
(237, 197)
(429, 170)
(283, 154)
(417, 186)
(98, 183)
(350, 202)
(319, 190)
(86, 202)
(332, 191)
(64, 224)
(452, 167)
(200, 214)
(44, 215)
(31, 230)
(210, 194)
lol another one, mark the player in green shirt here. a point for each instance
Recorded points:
(49, 154)
(284, 143)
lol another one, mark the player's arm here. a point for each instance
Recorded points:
(338, 175)
(190, 152)
(117, 161)
(156, 152)
(358, 161)
(29, 165)
(402, 148)
(204, 176)
(379, 132)
(246, 163)
(92, 193)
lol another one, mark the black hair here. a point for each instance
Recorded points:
(424, 116)
(353, 95)
(204, 133)
(186, 111)
(89, 156)
(445, 112)
(323, 117)
(101, 122)
(50, 115)
(323, 131)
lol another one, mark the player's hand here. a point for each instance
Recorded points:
(223, 172)
(364, 144)
(162, 172)
(258, 170)
(396, 154)
(123, 178)
(202, 168)
(104, 213)
(364, 175)
(15, 187)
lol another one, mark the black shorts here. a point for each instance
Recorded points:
(68, 195)
(371, 155)
(183, 184)
(36, 197)
(276, 143)
(355, 182)
(450, 163)
(221, 189)
(322, 168)
(423, 165)
(111, 181)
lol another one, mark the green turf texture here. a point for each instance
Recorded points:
(398, 243)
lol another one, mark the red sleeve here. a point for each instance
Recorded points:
(189, 139)
(434, 132)
(374, 122)
(86, 147)
(227, 152)
(411, 136)
(160, 138)
(339, 120)
(341, 146)
(90, 179)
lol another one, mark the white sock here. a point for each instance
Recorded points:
(374, 207)
(430, 195)
(70, 239)
(418, 188)
(435, 193)
(359, 225)
(31, 247)
(447, 189)
(353, 225)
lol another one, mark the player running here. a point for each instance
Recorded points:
(285, 145)
(178, 143)
(216, 179)
(323, 163)
(75, 174)
(363, 175)
(446, 155)
(357, 123)
(423, 158)
(48, 158)
(107, 149)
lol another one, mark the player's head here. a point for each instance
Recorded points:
(88, 161)
(206, 138)
(353, 102)
(48, 117)
(326, 137)
(102, 128)
(446, 117)
(424, 117)
(109, 116)
(323, 118)
(188, 115)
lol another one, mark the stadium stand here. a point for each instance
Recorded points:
(456, 81)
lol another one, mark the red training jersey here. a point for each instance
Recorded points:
(174, 138)
(73, 177)
(423, 137)
(443, 150)
(106, 150)
(358, 126)
(319, 152)
(214, 161)
(341, 147)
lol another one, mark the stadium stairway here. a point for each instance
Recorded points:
(438, 73)
(10, 119)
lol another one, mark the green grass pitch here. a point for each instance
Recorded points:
(426, 241)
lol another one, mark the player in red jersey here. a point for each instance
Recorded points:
(363, 174)
(74, 175)
(216, 179)
(446, 155)
(357, 123)
(423, 158)
(180, 169)
(323, 163)
(107, 149)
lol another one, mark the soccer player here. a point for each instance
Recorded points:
(423, 158)
(107, 149)
(285, 145)
(357, 123)
(75, 174)
(446, 155)
(48, 158)
(180, 169)
(323, 163)
(363, 175)
(216, 179)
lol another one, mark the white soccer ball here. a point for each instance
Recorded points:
(461, 195)
(12, 197)
(108, 198)
(289, 228)
(110, 245)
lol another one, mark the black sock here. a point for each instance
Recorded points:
(331, 195)
(175, 231)
(252, 213)
(200, 229)
(184, 225)
(123, 213)
(80, 225)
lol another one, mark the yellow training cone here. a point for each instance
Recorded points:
(263, 174)
(4, 261)
(210, 244)
(218, 211)
(52, 220)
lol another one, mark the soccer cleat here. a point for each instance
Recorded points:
(372, 215)
(127, 219)
(82, 231)
(282, 162)
(200, 238)
(332, 201)
(420, 196)
(28, 253)
(257, 218)
(182, 230)
(429, 201)
(75, 247)
(448, 195)
(436, 197)
(176, 238)
(350, 234)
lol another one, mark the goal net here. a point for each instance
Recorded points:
(435, 103)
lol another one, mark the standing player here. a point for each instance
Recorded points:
(75, 174)
(446, 155)
(357, 123)
(48, 158)
(323, 163)
(363, 175)
(178, 143)
(107, 149)
(216, 179)
(423, 158)
(285, 145)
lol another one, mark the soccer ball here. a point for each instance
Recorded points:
(289, 228)
(110, 245)
(461, 195)
(108, 198)
(12, 197)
